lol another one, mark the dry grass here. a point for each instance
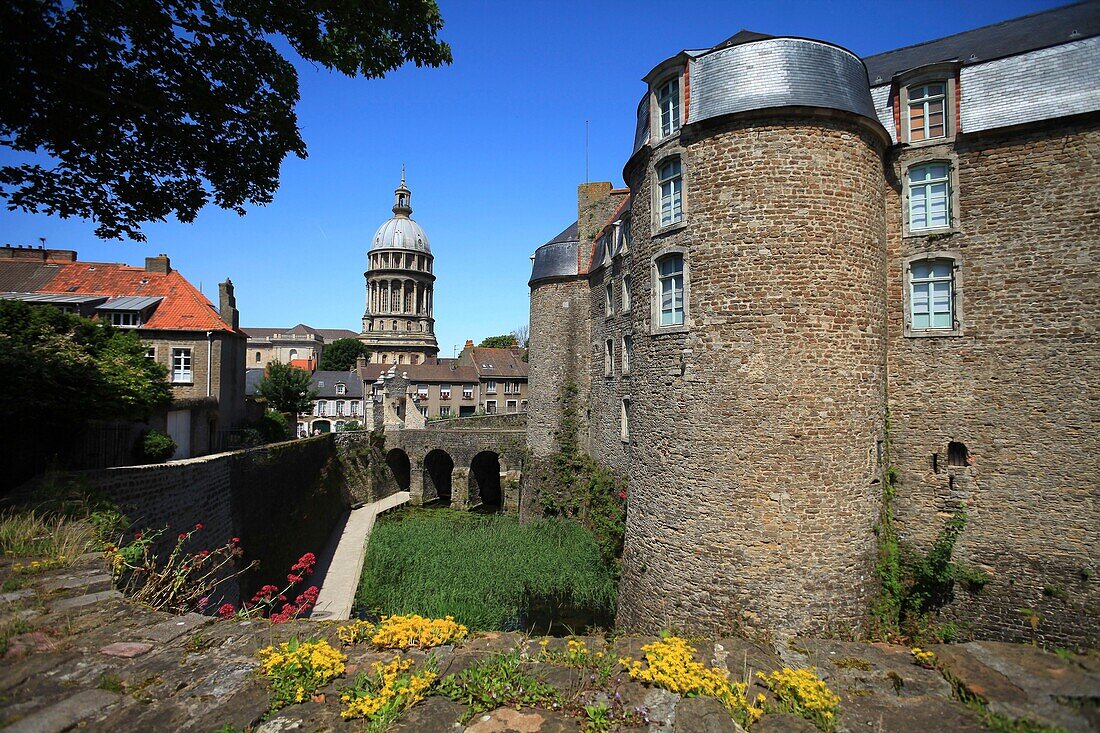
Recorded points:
(29, 534)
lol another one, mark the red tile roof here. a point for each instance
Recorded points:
(184, 307)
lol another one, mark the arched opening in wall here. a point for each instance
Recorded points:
(437, 477)
(398, 461)
(485, 482)
(957, 454)
(321, 426)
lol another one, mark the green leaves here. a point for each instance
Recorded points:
(340, 355)
(286, 388)
(151, 110)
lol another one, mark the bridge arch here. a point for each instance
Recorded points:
(438, 466)
(400, 468)
(484, 482)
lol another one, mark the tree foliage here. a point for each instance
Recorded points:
(60, 369)
(340, 355)
(504, 341)
(286, 388)
(152, 109)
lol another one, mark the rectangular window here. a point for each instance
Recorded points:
(628, 353)
(125, 319)
(341, 389)
(670, 273)
(926, 112)
(929, 197)
(670, 182)
(422, 391)
(151, 353)
(181, 366)
(490, 407)
(511, 405)
(624, 420)
(626, 293)
(608, 299)
(523, 405)
(491, 386)
(668, 106)
(445, 411)
(931, 295)
(608, 358)
(354, 407)
(321, 407)
(340, 407)
(445, 392)
(467, 392)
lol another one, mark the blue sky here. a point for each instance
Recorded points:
(494, 146)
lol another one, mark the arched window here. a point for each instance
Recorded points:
(395, 325)
(293, 354)
(670, 290)
(258, 357)
(957, 454)
(670, 185)
(929, 196)
(341, 388)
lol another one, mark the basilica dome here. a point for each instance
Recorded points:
(401, 232)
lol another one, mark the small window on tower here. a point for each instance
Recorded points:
(957, 454)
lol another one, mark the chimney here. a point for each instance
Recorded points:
(159, 264)
(227, 301)
(596, 202)
(37, 254)
(469, 344)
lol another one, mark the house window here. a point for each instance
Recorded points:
(467, 392)
(181, 366)
(927, 115)
(445, 411)
(322, 405)
(445, 392)
(670, 277)
(626, 293)
(395, 325)
(341, 389)
(608, 298)
(422, 391)
(931, 294)
(929, 196)
(668, 106)
(258, 357)
(491, 386)
(340, 407)
(293, 354)
(490, 407)
(670, 183)
(624, 420)
(523, 405)
(353, 407)
(628, 353)
(511, 405)
(608, 356)
(151, 353)
(124, 319)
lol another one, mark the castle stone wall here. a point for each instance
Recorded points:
(1017, 387)
(754, 479)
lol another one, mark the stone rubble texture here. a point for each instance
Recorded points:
(205, 677)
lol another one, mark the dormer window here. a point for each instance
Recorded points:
(926, 112)
(125, 319)
(668, 106)
(341, 388)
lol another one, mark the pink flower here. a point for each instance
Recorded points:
(198, 527)
(203, 602)
(226, 610)
(622, 495)
(236, 540)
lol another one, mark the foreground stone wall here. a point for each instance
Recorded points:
(1016, 385)
(281, 500)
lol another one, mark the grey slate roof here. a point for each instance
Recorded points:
(1011, 37)
(558, 257)
(326, 334)
(26, 277)
(56, 298)
(324, 383)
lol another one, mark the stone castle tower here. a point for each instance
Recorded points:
(805, 237)
(399, 322)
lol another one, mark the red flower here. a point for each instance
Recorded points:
(292, 578)
(204, 553)
(305, 563)
(182, 537)
(236, 540)
(226, 610)
(137, 535)
(198, 527)
(622, 495)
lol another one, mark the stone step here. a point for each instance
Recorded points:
(64, 714)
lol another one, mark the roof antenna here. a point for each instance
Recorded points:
(43, 241)
(586, 151)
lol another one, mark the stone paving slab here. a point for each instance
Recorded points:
(175, 627)
(92, 583)
(126, 649)
(68, 604)
(66, 713)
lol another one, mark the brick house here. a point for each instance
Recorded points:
(201, 345)
(833, 283)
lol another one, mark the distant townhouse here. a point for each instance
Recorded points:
(201, 345)
(440, 389)
(300, 345)
(502, 376)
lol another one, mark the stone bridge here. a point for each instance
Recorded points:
(465, 463)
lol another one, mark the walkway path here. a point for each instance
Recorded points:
(341, 565)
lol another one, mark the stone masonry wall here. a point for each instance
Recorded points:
(754, 483)
(281, 500)
(604, 411)
(1017, 386)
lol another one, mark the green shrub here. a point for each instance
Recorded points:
(157, 447)
(494, 682)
